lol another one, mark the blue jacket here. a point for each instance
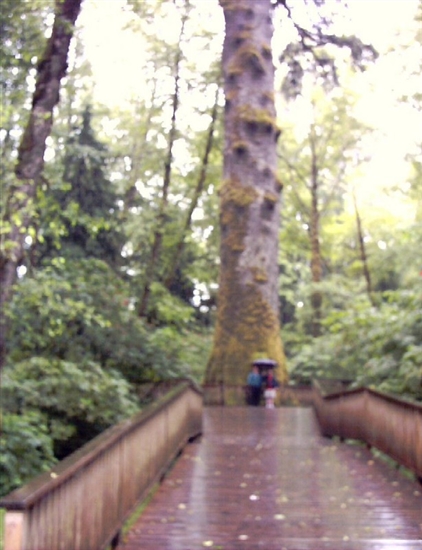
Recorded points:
(254, 379)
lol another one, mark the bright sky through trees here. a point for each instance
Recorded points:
(116, 57)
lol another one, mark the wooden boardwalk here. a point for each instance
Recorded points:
(266, 479)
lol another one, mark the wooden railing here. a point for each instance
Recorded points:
(388, 423)
(83, 502)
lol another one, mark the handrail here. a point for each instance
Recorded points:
(82, 503)
(389, 423)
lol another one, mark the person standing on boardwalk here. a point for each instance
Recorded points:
(270, 391)
(254, 387)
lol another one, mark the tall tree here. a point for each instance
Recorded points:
(316, 261)
(362, 250)
(175, 259)
(247, 325)
(161, 215)
(88, 204)
(51, 69)
(315, 177)
(22, 28)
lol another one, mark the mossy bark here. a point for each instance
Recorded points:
(247, 325)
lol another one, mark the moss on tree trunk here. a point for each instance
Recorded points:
(247, 325)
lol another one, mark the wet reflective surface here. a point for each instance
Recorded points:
(265, 478)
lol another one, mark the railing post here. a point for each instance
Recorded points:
(14, 530)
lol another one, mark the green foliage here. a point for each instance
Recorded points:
(81, 311)
(82, 392)
(56, 311)
(54, 407)
(169, 310)
(87, 200)
(379, 347)
(77, 350)
(195, 349)
(26, 448)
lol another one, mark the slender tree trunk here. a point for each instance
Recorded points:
(174, 263)
(160, 222)
(247, 325)
(316, 267)
(20, 207)
(139, 146)
(362, 251)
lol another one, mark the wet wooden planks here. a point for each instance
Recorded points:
(262, 478)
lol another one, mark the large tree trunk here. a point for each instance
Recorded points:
(20, 207)
(247, 325)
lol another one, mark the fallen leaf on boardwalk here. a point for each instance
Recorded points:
(207, 543)
(182, 506)
(243, 485)
(243, 537)
(254, 497)
(279, 517)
